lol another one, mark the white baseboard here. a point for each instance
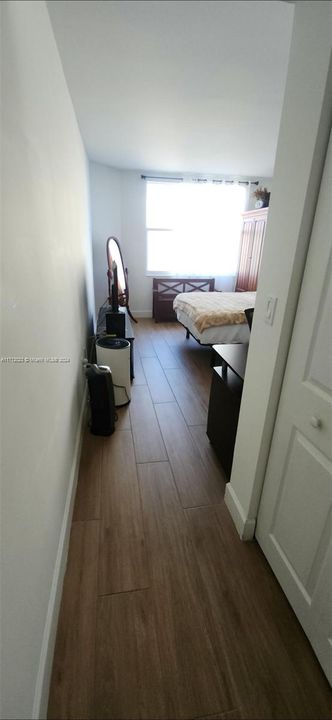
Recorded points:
(47, 650)
(245, 526)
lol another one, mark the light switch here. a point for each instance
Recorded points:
(271, 304)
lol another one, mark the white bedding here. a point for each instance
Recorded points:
(203, 310)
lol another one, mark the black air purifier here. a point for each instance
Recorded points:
(116, 324)
(101, 394)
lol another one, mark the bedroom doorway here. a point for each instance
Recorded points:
(294, 519)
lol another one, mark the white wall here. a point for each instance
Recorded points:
(105, 193)
(118, 199)
(304, 131)
(46, 312)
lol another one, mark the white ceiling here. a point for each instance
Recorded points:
(185, 85)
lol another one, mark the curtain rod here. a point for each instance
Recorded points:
(165, 179)
(199, 180)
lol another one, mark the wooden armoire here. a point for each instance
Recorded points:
(252, 239)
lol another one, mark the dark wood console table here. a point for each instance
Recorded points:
(225, 399)
(129, 333)
(165, 289)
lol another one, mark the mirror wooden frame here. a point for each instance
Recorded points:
(123, 292)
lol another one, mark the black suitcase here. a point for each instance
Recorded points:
(102, 404)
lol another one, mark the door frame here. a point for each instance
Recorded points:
(302, 145)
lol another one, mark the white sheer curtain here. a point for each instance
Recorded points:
(193, 228)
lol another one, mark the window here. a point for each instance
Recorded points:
(193, 228)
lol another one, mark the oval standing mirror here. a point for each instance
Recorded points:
(118, 292)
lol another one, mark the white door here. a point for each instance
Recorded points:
(294, 521)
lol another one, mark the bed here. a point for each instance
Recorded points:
(215, 317)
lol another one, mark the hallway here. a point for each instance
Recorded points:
(165, 612)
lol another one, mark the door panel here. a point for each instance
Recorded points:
(320, 362)
(304, 495)
(294, 521)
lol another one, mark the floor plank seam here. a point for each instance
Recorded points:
(208, 505)
(222, 713)
(148, 462)
(85, 520)
(145, 534)
(95, 645)
(169, 462)
(123, 592)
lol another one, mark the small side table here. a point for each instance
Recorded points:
(225, 399)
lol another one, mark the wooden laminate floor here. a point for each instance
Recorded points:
(165, 612)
